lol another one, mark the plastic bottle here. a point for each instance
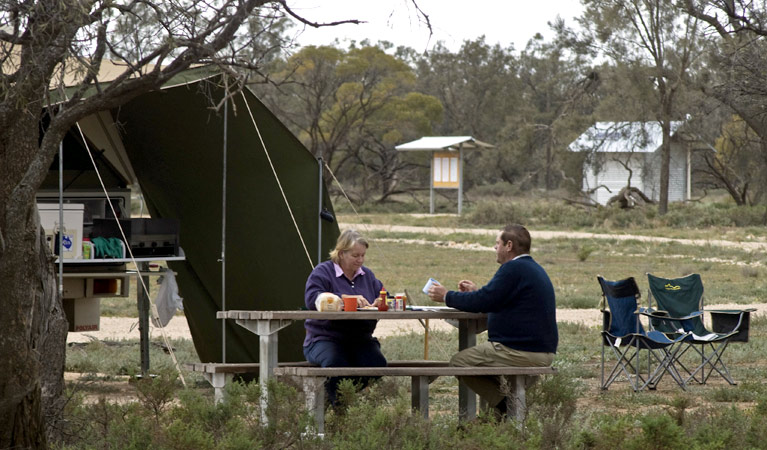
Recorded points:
(382, 305)
(87, 248)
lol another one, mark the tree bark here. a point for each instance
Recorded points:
(32, 319)
(665, 163)
(23, 321)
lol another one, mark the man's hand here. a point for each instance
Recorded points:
(437, 293)
(466, 286)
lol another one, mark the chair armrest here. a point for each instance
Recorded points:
(606, 316)
(660, 314)
(731, 311)
(732, 320)
(652, 311)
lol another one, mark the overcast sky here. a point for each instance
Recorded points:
(501, 21)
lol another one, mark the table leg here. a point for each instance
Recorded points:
(218, 381)
(267, 331)
(419, 387)
(142, 300)
(467, 399)
(314, 392)
(518, 407)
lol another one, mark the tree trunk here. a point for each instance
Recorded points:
(33, 338)
(54, 349)
(23, 321)
(665, 163)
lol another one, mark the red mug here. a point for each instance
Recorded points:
(350, 302)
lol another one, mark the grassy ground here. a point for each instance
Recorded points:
(406, 260)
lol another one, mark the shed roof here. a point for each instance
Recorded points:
(443, 143)
(638, 137)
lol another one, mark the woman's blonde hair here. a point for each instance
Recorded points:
(345, 242)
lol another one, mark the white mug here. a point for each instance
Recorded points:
(429, 284)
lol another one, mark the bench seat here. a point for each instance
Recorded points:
(421, 373)
(218, 374)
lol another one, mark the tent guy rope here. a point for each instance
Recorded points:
(153, 306)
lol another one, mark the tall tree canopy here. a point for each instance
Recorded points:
(351, 107)
(659, 44)
(58, 49)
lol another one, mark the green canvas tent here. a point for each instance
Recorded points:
(172, 142)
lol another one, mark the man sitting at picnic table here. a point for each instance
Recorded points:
(521, 324)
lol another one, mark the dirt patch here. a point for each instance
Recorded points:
(752, 246)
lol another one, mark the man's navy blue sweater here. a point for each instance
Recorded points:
(520, 304)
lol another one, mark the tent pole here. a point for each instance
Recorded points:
(319, 215)
(60, 242)
(223, 237)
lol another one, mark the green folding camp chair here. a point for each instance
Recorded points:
(681, 300)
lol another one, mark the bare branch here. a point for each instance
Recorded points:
(315, 24)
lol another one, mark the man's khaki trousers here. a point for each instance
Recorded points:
(493, 354)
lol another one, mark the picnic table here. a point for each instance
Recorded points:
(267, 325)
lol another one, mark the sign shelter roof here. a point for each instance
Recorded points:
(449, 143)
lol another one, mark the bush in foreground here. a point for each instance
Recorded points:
(380, 418)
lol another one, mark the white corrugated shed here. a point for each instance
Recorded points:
(614, 146)
(619, 137)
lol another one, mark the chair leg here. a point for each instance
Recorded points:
(628, 364)
(667, 364)
(714, 362)
(602, 378)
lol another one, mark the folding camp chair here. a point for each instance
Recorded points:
(681, 299)
(623, 332)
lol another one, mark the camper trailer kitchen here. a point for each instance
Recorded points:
(95, 254)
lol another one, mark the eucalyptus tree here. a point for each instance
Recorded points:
(656, 43)
(478, 87)
(51, 57)
(350, 108)
(558, 90)
(737, 78)
(738, 61)
(736, 165)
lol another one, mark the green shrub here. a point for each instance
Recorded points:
(584, 252)
(659, 431)
(551, 406)
(604, 432)
(155, 393)
(750, 272)
(495, 213)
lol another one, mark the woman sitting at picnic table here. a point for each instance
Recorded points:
(343, 343)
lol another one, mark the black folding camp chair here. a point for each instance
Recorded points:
(623, 332)
(681, 301)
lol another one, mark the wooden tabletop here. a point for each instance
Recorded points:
(353, 315)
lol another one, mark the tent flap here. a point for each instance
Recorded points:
(174, 140)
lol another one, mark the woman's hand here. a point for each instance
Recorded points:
(362, 302)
